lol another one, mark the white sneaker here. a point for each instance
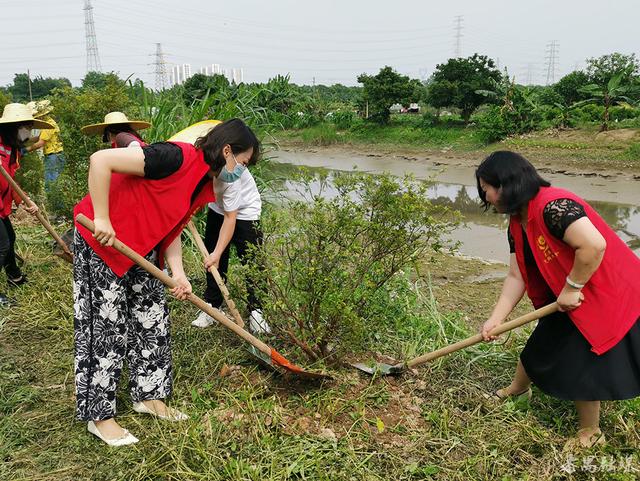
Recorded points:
(257, 323)
(203, 320)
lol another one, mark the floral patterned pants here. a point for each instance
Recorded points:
(117, 318)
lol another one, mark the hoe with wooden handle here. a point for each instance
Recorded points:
(389, 369)
(271, 356)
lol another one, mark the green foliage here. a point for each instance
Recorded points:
(633, 152)
(322, 134)
(460, 83)
(40, 87)
(74, 108)
(601, 70)
(200, 86)
(568, 87)
(328, 258)
(343, 119)
(100, 80)
(518, 114)
(383, 90)
(5, 98)
(614, 91)
(30, 176)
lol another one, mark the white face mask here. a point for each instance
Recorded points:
(23, 133)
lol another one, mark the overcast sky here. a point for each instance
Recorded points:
(328, 41)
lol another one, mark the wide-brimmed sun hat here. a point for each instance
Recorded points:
(40, 108)
(114, 118)
(20, 113)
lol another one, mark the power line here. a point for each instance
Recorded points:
(93, 59)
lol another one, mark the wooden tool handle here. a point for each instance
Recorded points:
(38, 214)
(169, 282)
(507, 326)
(216, 275)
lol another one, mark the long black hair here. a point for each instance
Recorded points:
(519, 180)
(233, 132)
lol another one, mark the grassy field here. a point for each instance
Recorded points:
(247, 424)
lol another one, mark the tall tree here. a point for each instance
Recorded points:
(463, 83)
(383, 90)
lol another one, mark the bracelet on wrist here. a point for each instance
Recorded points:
(574, 284)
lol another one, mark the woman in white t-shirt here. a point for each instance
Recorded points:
(233, 220)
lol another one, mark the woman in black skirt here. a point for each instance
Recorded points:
(562, 250)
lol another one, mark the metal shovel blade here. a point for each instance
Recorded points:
(380, 368)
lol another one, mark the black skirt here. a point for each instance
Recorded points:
(558, 359)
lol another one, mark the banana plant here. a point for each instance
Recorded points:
(609, 94)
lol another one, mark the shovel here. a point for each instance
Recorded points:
(391, 370)
(66, 253)
(269, 355)
(216, 275)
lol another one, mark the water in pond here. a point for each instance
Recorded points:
(484, 234)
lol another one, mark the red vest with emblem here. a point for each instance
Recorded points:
(146, 213)
(611, 303)
(7, 195)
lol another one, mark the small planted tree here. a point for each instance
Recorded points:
(328, 258)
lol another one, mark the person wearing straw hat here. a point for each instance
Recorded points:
(50, 143)
(146, 196)
(118, 130)
(15, 129)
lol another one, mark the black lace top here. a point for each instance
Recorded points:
(558, 215)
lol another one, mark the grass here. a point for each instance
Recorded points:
(249, 425)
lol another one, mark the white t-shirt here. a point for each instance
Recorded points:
(241, 195)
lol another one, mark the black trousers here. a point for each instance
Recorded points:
(7, 249)
(246, 233)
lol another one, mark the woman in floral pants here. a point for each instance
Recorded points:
(146, 195)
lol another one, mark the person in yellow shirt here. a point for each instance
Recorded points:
(50, 143)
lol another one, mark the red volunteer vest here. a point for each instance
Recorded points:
(612, 295)
(7, 195)
(149, 213)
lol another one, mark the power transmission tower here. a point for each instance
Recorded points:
(529, 74)
(93, 59)
(458, 29)
(161, 68)
(552, 61)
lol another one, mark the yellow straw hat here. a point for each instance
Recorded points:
(19, 113)
(114, 118)
(40, 108)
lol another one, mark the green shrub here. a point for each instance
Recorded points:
(343, 119)
(327, 260)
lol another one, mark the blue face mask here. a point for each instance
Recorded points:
(226, 176)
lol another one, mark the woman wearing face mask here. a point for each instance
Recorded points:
(15, 128)
(145, 196)
(233, 220)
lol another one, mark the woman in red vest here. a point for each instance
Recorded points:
(15, 128)
(145, 196)
(562, 250)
